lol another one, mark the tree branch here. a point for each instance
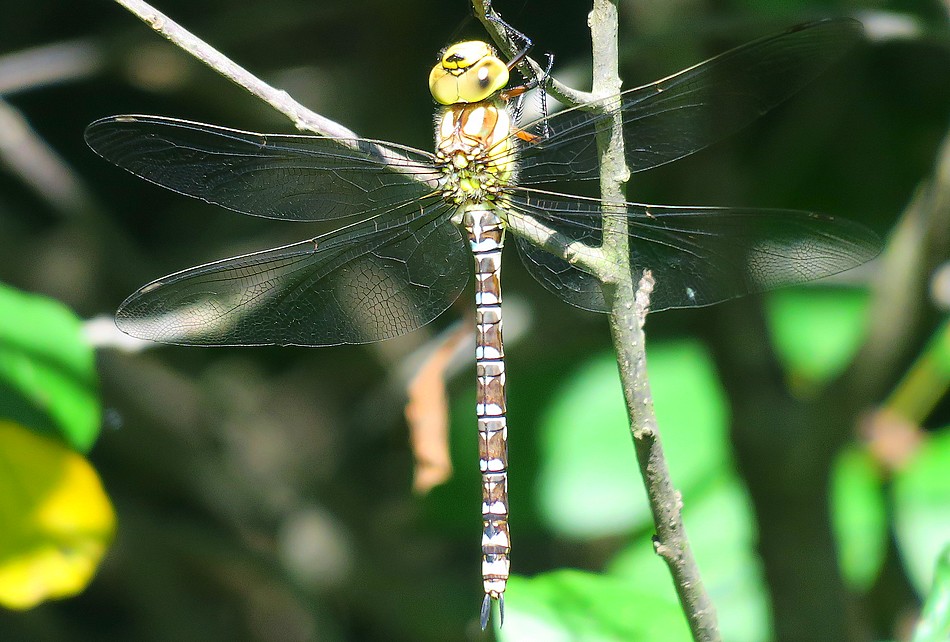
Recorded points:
(628, 310)
(528, 67)
(628, 307)
(303, 118)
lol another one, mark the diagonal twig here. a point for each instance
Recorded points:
(529, 66)
(303, 118)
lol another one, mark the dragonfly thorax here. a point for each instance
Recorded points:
(475, 151)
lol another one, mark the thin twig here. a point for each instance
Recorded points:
(611, 264)
(917, 244)
(27, 155)
(51, 64)
(303, 118)
(528, 66)
(627, 315)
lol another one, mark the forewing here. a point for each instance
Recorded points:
(698, 255)
(681, 114)
(363, 283)
(301, 178)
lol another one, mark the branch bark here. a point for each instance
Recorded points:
(627, 314)
(529, 67)
(303, 118)
(628, 307)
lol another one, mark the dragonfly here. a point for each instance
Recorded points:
(412, 220)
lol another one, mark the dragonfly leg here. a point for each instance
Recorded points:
(539, 82)
(514, 34)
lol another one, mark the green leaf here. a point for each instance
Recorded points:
(721, 527)
(589, 484)
(816, 331)
(57, 520)
(859, 517)
(922, 508)
(573, 605)
(934, 625)
(47, 369)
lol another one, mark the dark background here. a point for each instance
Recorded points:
(220, 462)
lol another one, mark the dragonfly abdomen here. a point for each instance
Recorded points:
(486, 235)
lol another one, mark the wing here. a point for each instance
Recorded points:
(698, 255)
(684, 113)
(365, 282)
(301, 178)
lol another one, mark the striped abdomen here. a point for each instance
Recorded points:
(486, 235)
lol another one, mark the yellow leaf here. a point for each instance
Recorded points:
(56, 521)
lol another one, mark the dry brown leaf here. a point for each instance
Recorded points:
(427, 413)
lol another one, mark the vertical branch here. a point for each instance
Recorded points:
(627, 314)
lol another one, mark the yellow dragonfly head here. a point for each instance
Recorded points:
(467, 72)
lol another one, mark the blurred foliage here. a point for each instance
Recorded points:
(573, 605)
(935, 620)
(47, 369)
(926, 381)
(816, 332)
(265, 494)
(587, 486)
(859, 517)
(922, 508)
(57, 520)
(721, 526)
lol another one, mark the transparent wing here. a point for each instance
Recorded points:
(694, 108)
(366, 282)
(698, 255)
(301, 178)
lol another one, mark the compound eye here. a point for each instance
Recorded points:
(488, 76)
(463, 55)
(468, 72)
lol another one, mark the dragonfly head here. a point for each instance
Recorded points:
(467, 72)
